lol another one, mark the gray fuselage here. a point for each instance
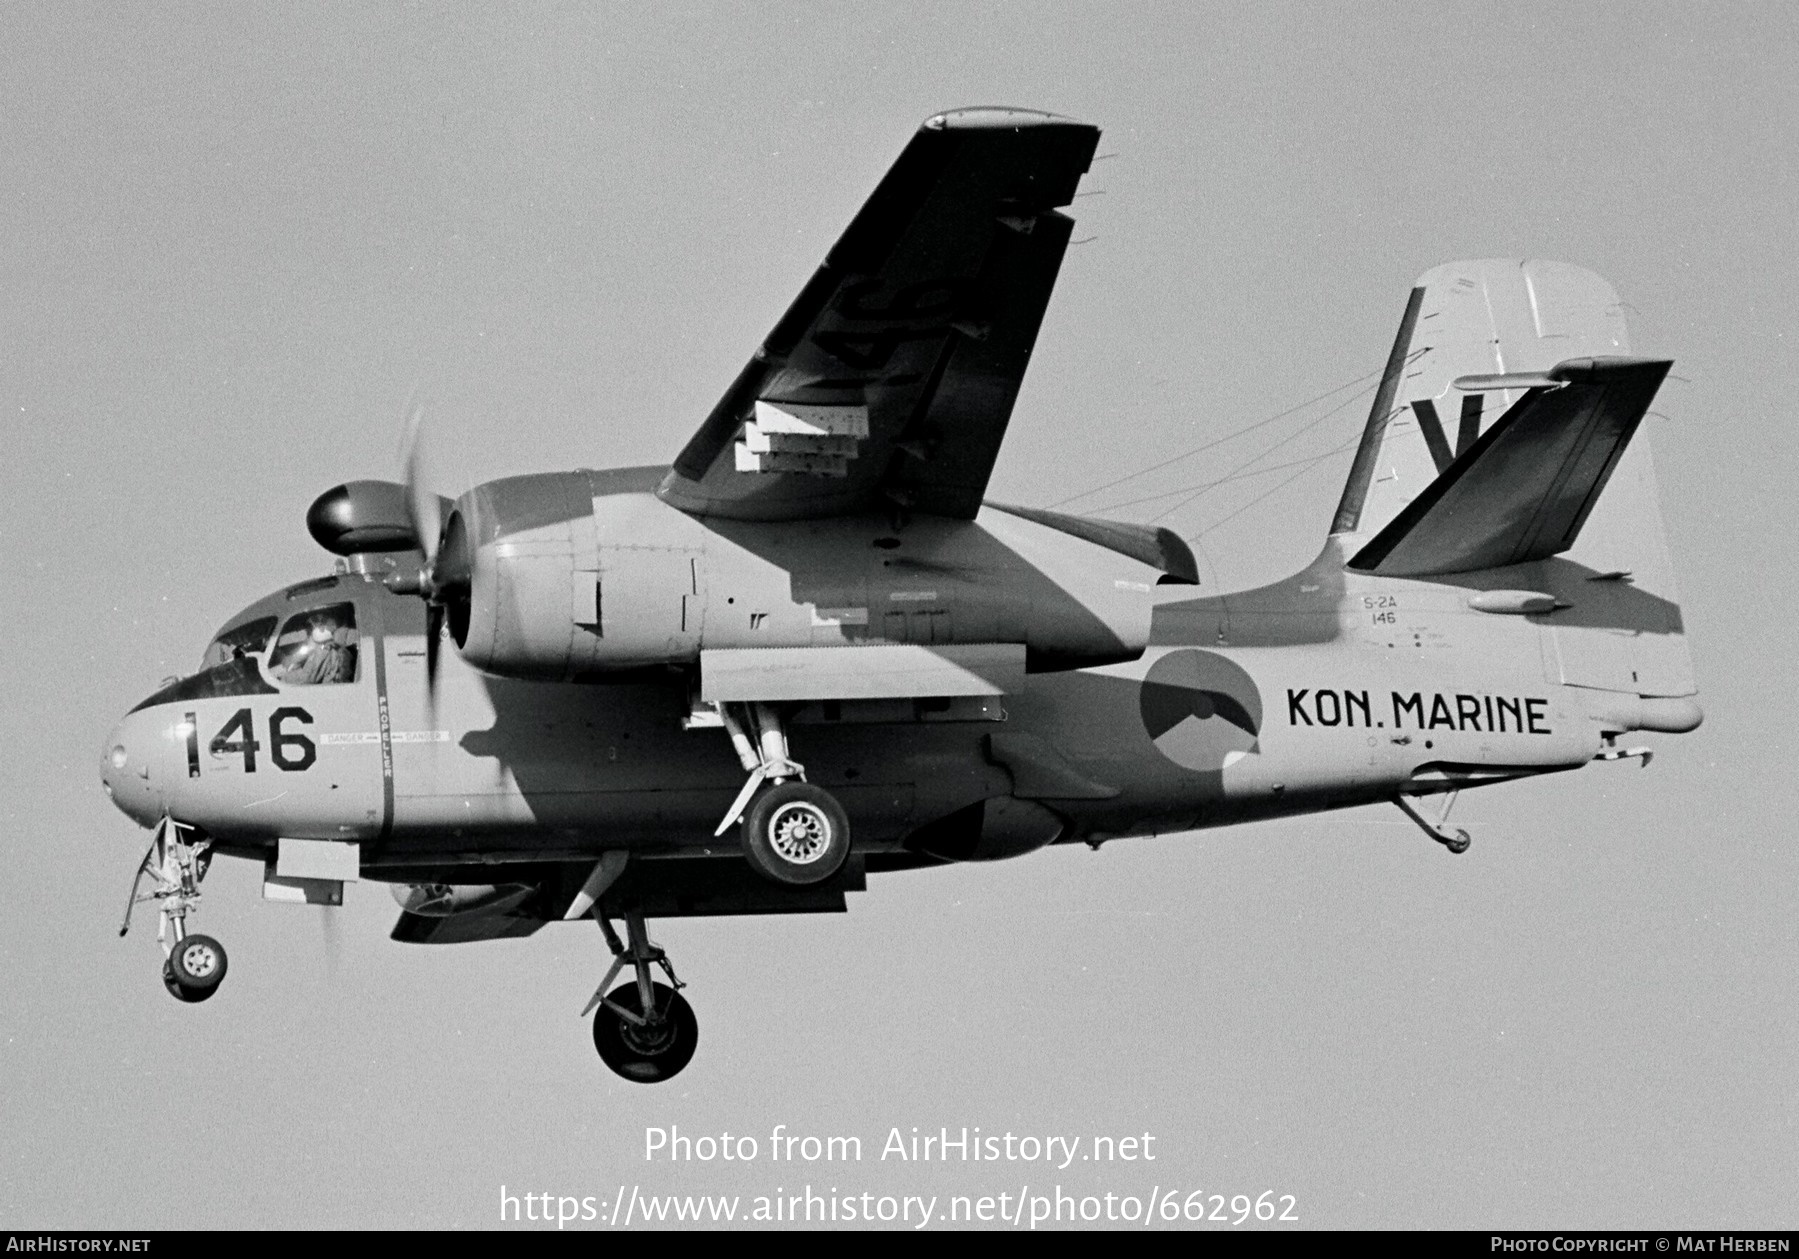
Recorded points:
(1327, 690)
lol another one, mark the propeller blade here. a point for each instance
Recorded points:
(424, 511)
(434, 626)
(331, 937)
(444, 578)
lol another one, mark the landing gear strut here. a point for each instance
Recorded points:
(644, 1030)
(793, 833)
(193, 965)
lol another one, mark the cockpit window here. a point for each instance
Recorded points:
(249, 639)
(235, 677)
(316, 647)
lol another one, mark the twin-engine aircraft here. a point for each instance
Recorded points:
(809, 651)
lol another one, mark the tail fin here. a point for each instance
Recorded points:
(1559, 488)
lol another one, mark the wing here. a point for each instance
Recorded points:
(463, 928)
(889, 381)
(1147, 544)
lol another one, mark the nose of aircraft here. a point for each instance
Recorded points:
(132, 761)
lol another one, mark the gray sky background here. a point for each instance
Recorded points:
(233, 239)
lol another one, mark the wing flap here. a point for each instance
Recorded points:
(692, 887)
(1524, 489)
(869, 671)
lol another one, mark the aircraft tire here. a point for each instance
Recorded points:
(198, 963)
(646, 1055)
(1460, 843)
(797, 834)
(192, 996)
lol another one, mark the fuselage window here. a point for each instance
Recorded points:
(317, 647)
(249, 639)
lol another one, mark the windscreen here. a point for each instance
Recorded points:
(249, 639)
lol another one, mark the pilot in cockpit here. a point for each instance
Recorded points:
(320, 657)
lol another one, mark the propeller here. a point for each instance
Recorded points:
(423, 510)
(443, 580)
(425, 515)
(331, 937)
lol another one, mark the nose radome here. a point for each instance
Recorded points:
(114, 757)
(127, 770)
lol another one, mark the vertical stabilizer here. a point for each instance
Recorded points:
(1532, 357)
(1489, 317)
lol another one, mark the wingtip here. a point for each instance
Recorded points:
(1607, 364)
(995, 118)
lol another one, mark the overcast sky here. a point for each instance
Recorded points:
(234, 239)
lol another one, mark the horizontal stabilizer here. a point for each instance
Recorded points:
(1524, 489)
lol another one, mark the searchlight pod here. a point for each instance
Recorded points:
(366, 523)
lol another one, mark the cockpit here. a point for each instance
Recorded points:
(318, 646)
(249, 639)
(305, 636)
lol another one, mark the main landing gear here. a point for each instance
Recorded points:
(194, 965)
(644, 1030)
(794, 832)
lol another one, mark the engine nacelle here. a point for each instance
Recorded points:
(575, 576)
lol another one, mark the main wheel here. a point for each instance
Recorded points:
(654, 1051)
(1460, 843)
(198, 963)
(796, 833)
(190, 995)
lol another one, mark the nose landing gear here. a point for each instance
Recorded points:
(194, 969)
(193, 965)
(644, 1030)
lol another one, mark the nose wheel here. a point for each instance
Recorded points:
(193, 965)
(181, 991)
(644, 1030)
